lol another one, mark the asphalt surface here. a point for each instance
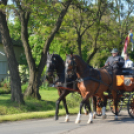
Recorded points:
(125, 125)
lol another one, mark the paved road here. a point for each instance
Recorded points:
(125, 125)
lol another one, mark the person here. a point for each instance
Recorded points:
(115, 61)
(128, 63)
(131, 38)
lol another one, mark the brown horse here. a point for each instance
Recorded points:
(91, 82)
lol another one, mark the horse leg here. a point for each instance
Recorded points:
(67, 113)
(115, 104)
(90, 120)
(86, 102)
(104, 103)
(94, 106)
(85, 110)
(79, 114)
(62, 96)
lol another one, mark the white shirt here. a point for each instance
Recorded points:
(128, 63)
(131, 37)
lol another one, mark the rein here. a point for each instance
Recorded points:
(70, 89)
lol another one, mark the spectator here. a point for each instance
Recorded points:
(128, 63)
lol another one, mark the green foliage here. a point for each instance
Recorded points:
(5, 86)
(24, 73)
(112, 29)
(4, 90)
(24, 87)
(15, 29)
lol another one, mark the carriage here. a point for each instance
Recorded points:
(125, 86)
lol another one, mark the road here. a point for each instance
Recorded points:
(125, 125)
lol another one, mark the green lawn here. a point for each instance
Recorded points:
(34, 108)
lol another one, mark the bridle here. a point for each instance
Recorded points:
(51, 70)
(73, 64)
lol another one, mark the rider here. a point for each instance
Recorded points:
(131, 37)
(115, 61)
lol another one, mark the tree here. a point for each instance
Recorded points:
(82, 27)
(123, 16)
(24, 11)
(16, 94)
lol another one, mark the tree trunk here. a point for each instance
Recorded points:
(95, 46)
(79, 45)
(33, 87)
(35, 73)
(16, 94)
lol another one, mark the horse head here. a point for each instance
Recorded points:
(52, 64)
(55, 66)
(70, 64)
(74, 64)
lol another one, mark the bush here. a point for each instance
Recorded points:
(5, 86)
(24, 73)
(5, 90)
(44, 85)
(3, 110)
(5, 83)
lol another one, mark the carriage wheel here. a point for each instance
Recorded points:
(112, 107)
(130, 105)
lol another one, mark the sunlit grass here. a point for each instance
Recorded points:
(36, 108)
(34, 115)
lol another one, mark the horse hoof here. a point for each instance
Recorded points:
(86, 113)
(89, 122)
(77, 122)
(116, 118)
(66, 120)
(104, 116)
(94, 116)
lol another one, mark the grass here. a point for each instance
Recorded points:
(34, 115)
(11, 111)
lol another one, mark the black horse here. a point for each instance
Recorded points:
(56, 64)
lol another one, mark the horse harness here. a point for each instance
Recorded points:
(96, 80)
(93, 79)
(85, 79)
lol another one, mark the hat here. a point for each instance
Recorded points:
(115, 50)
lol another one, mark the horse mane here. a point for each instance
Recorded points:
(58, 57)
(82, 60)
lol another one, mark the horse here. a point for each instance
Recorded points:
(91, 82)
(56, 64)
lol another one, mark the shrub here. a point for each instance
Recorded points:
(5, 86)
(24, 73)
